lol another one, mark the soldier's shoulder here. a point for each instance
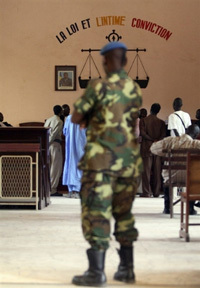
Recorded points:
(94, 82)
(135, 84)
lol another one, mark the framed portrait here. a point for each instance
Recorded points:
(65, 78)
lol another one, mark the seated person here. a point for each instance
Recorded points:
(197, 122)
(185, 141)
(198, 118)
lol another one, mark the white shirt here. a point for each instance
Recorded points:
(174, 122)
(56, 125)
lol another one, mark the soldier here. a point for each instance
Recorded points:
(111, 165)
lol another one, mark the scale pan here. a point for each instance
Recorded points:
(142, 82)
(83, 82)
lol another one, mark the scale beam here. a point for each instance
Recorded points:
(97, 50)
(142, 82)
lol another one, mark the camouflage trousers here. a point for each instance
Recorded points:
(104, 196)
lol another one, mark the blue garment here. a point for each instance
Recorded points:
(75, 140)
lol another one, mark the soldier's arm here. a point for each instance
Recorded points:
(78, 118)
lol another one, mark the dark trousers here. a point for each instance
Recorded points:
(152, 170)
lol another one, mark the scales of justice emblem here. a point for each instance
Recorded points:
(137, 62)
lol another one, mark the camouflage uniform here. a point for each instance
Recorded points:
(111, 164)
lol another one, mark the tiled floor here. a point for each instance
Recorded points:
(45, 248)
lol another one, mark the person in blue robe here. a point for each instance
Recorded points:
(75, 141)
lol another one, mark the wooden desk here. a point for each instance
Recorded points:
(23, 135)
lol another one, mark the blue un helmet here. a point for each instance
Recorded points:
(111, 46)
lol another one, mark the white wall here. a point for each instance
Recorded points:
(29, 51)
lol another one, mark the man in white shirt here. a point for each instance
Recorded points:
(178, 121)
(55, 149)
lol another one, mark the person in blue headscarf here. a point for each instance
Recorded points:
(75, 140)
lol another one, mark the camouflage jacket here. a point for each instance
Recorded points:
(111, 107)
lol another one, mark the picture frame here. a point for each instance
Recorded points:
(65, 78)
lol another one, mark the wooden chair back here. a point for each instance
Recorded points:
(192, 192)
(175, 163)
(193, 176)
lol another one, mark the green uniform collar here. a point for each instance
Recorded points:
(121, 73)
